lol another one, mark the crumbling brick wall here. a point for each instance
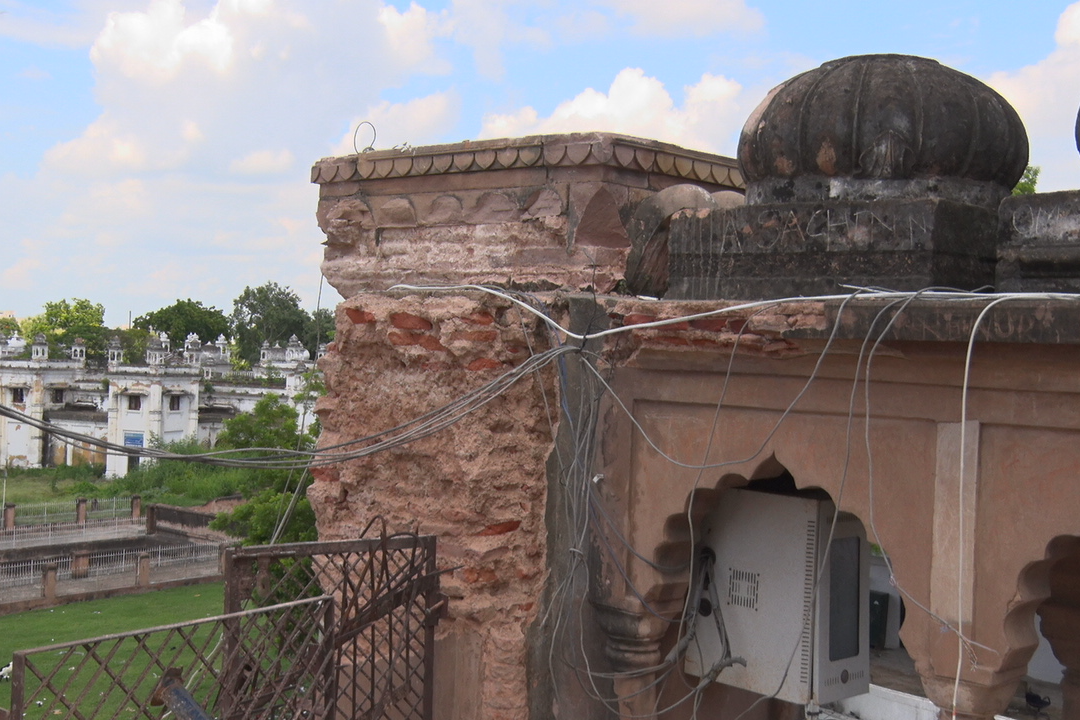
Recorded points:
(478, 485)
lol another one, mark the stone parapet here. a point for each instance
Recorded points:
(575, 150)
(1039, 244)
(792, 249)
(540, 213)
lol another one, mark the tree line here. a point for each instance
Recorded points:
(269, 312)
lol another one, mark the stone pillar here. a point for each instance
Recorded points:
(143, 574)
(80, 511)
(1060, 615)
(1070, 694)
(633, 645)
(151, 520)
(136, 507)
(80, 564)
(9, 516)
(48, 582)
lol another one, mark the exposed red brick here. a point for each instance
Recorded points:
(706, 342)
(483, 364)
(736, 324)
(709, 324)
(672, 339)
(638, 318)
(501, 528)
(430, 342)
(681, 325)
(514, 349)
(397, 338)
(482, 575)
(359, 316)
(408, 321)
(480, 318)
(325, 474)
(477, 335)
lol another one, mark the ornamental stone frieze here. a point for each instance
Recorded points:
(542, 212)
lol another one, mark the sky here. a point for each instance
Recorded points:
(155, 150)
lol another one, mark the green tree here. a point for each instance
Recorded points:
(134, 342)
(256, 520)
(320, 329)
(270, 313)
(1028, 181)
(9, 326)
(183, 318)
(63, 321)
(271, 424)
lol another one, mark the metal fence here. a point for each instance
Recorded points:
(312, 631)
(263, 664)
(64, 511)
(67, 531)
(21, 573)
(387, 603)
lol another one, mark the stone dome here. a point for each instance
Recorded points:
(884, 117)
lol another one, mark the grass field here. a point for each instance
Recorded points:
(37, 486)
(103, 617)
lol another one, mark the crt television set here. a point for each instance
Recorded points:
(797, 614)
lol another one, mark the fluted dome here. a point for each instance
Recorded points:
(884, 117)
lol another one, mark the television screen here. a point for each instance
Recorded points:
(844, 605)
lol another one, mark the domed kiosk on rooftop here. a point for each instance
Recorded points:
(869, 126)
(870, 171)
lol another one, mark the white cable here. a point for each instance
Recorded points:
(960, 499)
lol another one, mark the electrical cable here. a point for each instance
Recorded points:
(286, 515)
(584, 506)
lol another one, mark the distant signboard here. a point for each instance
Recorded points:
(133, 439)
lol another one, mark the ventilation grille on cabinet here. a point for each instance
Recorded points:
(743, 588)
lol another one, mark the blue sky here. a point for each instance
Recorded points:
(159, 149)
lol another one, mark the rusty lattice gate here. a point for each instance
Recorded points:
(386, 606)
(330, 630)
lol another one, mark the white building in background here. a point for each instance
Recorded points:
(173, 396)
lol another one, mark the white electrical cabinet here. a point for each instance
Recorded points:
(797, 614)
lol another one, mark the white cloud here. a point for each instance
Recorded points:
(21, 273)
(103, 143)
(203, 105)
(154, 45)
(51, 28)
(413, 122)
(583, 25)
(248, 86)
(486, 26)
(1043, 95)
(688, 17)
(34, 73)
(263, 162)
(411, 36)
(636, 104)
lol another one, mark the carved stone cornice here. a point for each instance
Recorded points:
(539, 151)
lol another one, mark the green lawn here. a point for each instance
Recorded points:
(104, 617)
(39, 485)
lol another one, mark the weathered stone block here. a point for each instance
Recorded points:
(1039, 245)
(763, 251)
